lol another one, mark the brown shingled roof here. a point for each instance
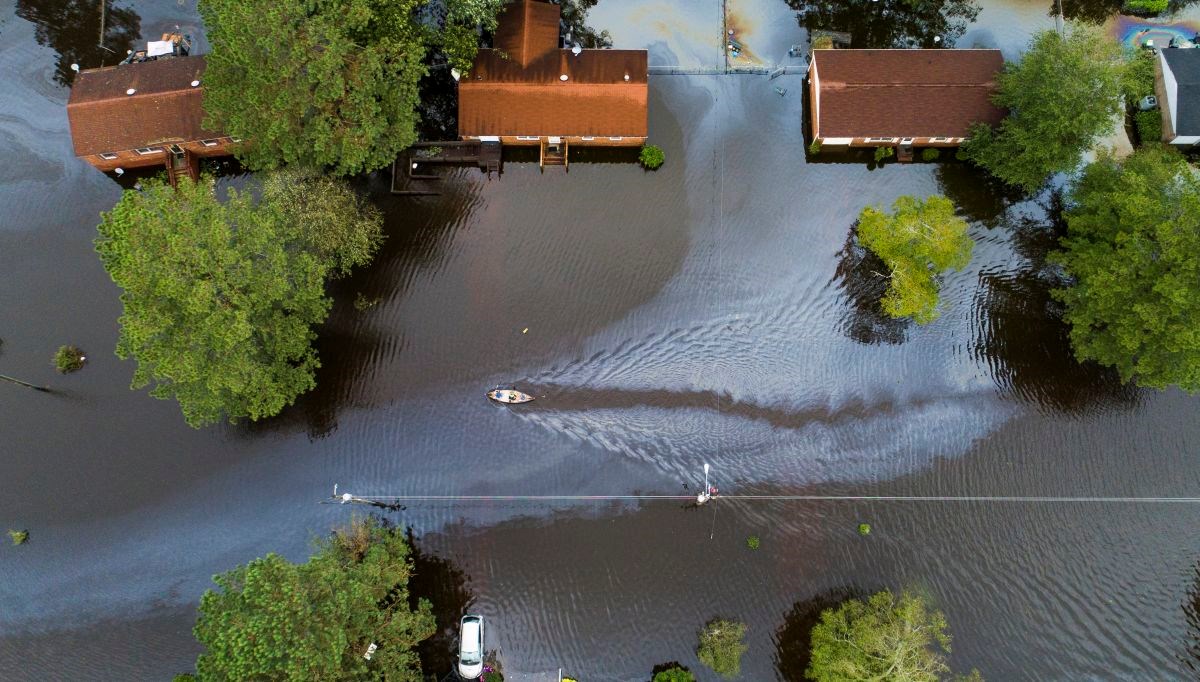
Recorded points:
(165, 107)
(605, 93)
(905, 93)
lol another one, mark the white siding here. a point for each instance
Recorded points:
(1172, 88)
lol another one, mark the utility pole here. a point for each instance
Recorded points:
(26, 384)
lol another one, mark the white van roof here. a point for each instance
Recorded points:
(470, 636)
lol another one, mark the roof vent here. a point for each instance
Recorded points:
(626, 78)
(130, 91)
(75, 68)
(576, 50)
(195, 84)
(563, 77)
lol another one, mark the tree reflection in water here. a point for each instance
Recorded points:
(890, 23)
(863, 279)
(1020, 333)
(445, 585)
(793, 640)
(72, 29)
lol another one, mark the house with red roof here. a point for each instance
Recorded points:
(901, 98)
(144, 114)
(530, 90)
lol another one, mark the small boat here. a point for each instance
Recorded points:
(509, 396)
(470, 647)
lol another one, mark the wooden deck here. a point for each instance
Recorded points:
(414, 172)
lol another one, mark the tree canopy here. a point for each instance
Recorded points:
(220, 299)
(721, 647)
(890, 23)
(1061, 98)
(919, 240)
(327, 83)
(892, 638)
(1132, 255)
(275, 620)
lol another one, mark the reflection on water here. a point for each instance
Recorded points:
(1134, 32)
(445, 585)
(863, 278)
(793, 640)
(890, 23)
(72, 29)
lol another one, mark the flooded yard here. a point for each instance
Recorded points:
(712, 311)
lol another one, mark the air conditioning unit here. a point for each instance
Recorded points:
(1147, 103)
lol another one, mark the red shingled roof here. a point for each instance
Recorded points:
(905, 93)
(605, 93)
(165, 107)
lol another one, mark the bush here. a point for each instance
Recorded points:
(721, 647)
(864, 529)
(822, 43)
(930, 154)
(676, 673)
(69, 359)
(1138, 79)
(814, 147)
(1149, 126)
(1145, 7)
(651, 157)
(493, 676)
(882, 153)
(19, 537)
(752, 542)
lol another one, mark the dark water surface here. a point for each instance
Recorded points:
(714, 311)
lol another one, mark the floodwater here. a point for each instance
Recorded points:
(713, 311)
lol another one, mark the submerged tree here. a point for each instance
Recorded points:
(1132, 254)
(890, 23)
(1062, 96)
(721, 647)
(275, 620)
(918, 241)
(884, 638)
(220, 299)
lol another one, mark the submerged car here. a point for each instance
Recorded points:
(470, 647)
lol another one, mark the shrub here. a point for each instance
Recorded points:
(930, 154)
(493, 676)
(814, 147)
(1149, 126)
(1145, 6)
(882, 153)
(676, 673)
(752, 542)
(721, 647)
(69, 359)
(822, 43)
(864, 529)
(651, 157)
(19, 537)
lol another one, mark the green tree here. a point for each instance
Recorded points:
(918, 241)
(1061, 97)
(465, 19)
(275, 620)
(1132, 254)
(891, 638)
(721, 647)
(675, 673)
(220, 299)
(325, 83)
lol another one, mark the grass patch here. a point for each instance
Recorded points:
(752, 542)
(814, 147)
(69, 359)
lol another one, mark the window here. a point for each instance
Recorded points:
(235, 140)
(209, 143)
(587, 138)
(108, 156)
(146, 151)
(881, 139)
(616, 139)
(939, 139)
(528, 137)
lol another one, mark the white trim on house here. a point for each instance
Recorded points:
(109, 156)
(836, 140)
(147, 151)
(489, 138)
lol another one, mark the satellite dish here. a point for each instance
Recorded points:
(75, 68)
(119, 171)
(195, 84)
(563, 77)
(130, 91)
(576, 50)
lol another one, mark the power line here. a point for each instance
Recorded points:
(1064, 499)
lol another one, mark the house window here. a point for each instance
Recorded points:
(939, 139)
(108, 156)
(146, 151)
(587, 138)
(881, 139)
(528, 137)
(235, 140)
(616, 139)
(209, 143)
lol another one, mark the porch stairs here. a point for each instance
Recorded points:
(553, 154)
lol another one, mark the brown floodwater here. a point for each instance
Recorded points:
(713, 311)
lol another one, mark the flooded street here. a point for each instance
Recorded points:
(712, 311)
